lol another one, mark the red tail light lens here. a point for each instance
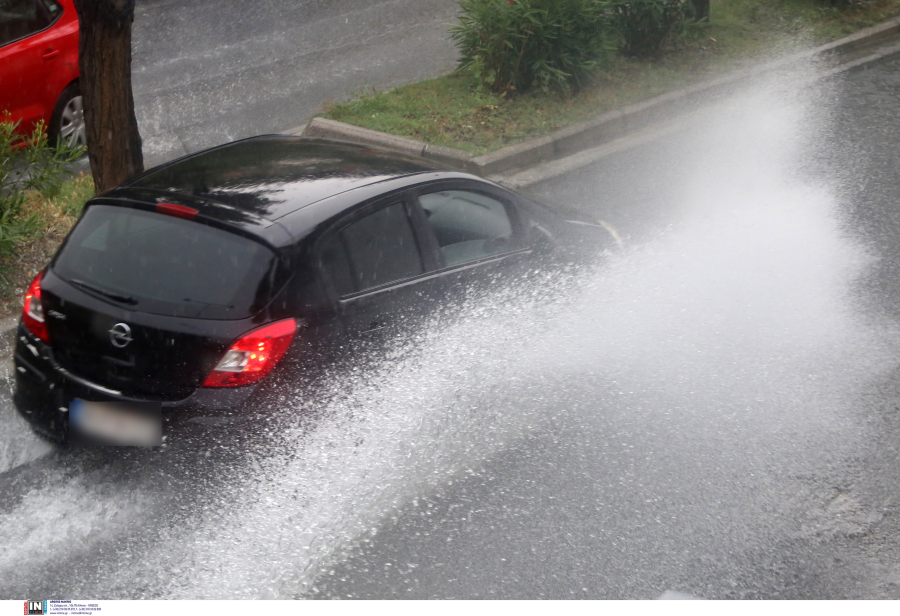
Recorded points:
(33, 311)
(253, 356)
(179, 211)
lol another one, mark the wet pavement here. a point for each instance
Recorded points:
(715, 412)
(207, 72)
(731, 427)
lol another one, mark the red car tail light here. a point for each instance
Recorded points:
(33, 311)
(179, 211)
(253, 356)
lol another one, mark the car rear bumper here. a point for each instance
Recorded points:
(44, 391)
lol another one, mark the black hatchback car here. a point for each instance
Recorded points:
(187, 286)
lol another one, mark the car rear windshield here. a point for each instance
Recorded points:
(165, 265)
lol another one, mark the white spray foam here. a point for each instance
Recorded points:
(743, 308)
(738, 309)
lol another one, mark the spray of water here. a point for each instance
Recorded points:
(739, 312)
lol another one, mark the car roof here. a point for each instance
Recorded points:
(271, 176)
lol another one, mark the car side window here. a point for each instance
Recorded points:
(372, 251)
(468, 225)
(21, 18)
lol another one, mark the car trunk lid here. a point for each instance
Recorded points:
(145, 304)
(136, 354)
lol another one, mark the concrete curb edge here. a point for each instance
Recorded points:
(595, 131)
(548, 169)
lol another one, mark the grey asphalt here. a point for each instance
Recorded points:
(714, 413)
(206, 72)
(722, 411)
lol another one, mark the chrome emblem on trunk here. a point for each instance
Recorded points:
(120, 335)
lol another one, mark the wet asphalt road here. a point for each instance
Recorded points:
(716, 413)
(731, 427)
(207, 72)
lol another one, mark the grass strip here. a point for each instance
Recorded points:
(450, 111)
(55, 214)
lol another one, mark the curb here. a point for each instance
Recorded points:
(547, 169)
(602, 129)
(320, 128)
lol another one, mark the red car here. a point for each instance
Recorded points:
(39, 67)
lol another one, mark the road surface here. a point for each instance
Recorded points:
(716, 412)
(206, 72)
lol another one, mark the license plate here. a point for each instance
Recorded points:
(115, 423)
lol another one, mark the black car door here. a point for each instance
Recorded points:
(373, 261)
(391, 264)
(482, 240)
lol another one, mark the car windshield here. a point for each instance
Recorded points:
(165, 265)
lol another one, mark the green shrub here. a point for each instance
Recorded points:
(532, 44)
(27, 164)
(646, 25)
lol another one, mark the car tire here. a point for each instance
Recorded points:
(67, 121)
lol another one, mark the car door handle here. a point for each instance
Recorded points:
(50, 54)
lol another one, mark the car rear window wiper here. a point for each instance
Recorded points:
(124, 299)
(195, 301)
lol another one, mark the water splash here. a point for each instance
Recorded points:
(738, 315)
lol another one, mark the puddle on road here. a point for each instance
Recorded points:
(739, 311)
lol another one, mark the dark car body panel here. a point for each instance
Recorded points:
(220, 215)
(276, 175)
(292, 195)
(155, 365)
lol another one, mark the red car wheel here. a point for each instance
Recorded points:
(67, 121)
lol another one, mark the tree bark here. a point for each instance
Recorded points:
(104, 59)
(701, 10)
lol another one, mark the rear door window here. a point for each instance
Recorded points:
(467, 225)
(165, 265)
(377, 249)
(21, 18)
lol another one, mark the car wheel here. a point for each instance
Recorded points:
(67, 122)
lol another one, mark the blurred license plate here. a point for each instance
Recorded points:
(115, 423)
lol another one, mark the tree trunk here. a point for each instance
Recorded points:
(701, 10)
(104, 58)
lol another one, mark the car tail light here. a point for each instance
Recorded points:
(33, 311)
(253, 356)
(179, 211)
